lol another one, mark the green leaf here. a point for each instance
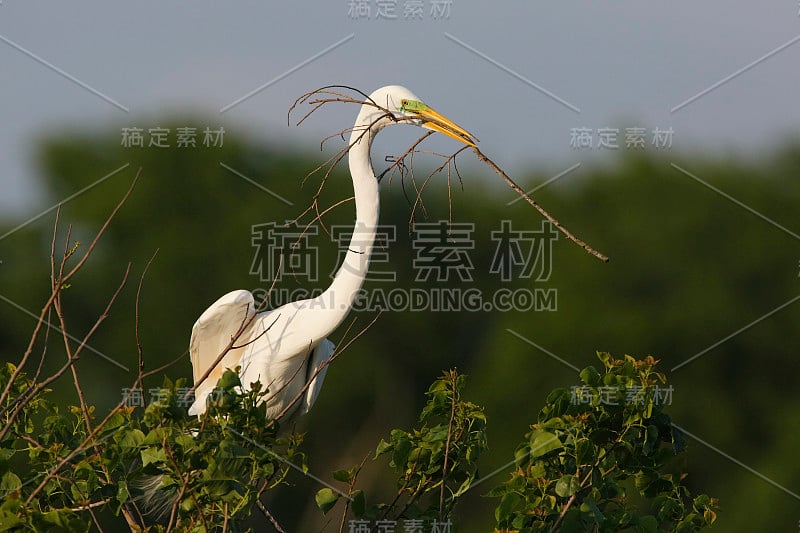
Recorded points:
(9, 521)
(647, 524)
(605, 358)
(644, 478)
(543, 442)
(229, 380)
(116, 420)
(129, 438)
(651, 440)
(9, 482)
(122, 492)
(326, 499)
(345, 476)
(153, 455)
(589, 506)
(66, 520)
(507, 505)
(567, 486)
(187, 442)
(584, 452)
(359, 503)
(383, 447)
(402, 450)
(590, 376)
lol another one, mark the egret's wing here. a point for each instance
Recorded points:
(214, 329)
(319, 358)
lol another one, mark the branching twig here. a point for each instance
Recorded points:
(334, 94)
(41, 322)
(447, 447)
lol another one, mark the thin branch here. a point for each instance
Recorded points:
(352, 484)
(447, 447)
(268, 515)
(569, 503)
(54, 293)
(539, 208)
(324, 365)
(33, 391)
(140, 359)
(102, 230)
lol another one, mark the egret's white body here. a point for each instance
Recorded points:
(284, 348)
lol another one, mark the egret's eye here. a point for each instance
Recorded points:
(403, 104)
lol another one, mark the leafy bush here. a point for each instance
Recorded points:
(435, 463)
(575, 468)
(593, 447)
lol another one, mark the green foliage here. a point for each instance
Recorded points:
(591, 448)
(215, 466)
(435, 462)
(438, 458)
(56, 473)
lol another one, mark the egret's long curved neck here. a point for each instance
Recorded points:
(339, 297)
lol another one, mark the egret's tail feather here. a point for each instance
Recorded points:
(153, 502)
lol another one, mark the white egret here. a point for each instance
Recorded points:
(285, 348)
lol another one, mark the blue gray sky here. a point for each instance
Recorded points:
(722, 75)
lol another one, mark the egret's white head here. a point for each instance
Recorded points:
(405, 107)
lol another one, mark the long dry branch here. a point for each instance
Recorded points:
(511, 183)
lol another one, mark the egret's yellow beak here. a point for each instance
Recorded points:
(433, 120)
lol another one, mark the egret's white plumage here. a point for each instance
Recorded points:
(283, 348)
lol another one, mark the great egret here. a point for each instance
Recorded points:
(286, 348)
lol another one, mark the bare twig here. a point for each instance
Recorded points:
(48, 305)
(268, 515)
(58, 282)
(140, 359)
(539, 208)
(55, 301)
(447, 447)
(352, 484)
(324, 365)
